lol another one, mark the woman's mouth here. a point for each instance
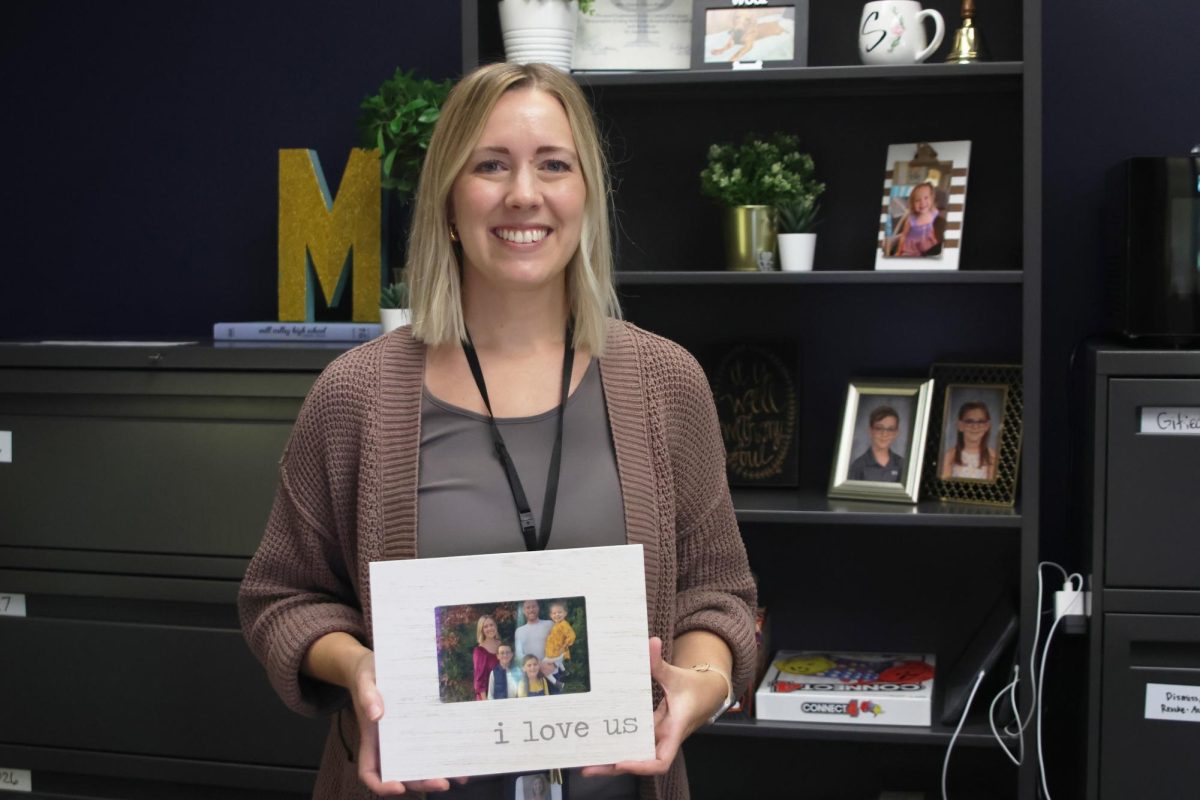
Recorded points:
(521, 235)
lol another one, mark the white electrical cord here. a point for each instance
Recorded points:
(1036, 677)
(961, 720)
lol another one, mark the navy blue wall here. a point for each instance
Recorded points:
(140, 140)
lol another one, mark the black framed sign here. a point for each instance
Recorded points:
(754, 387)
(740, 34)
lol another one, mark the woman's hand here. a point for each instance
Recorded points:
(690, 697)
(340, 659)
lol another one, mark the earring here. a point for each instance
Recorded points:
(453, 233)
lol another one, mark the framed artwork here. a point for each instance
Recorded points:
(882, 440)
(924, 201)
(754, 388)
(568, 683)
(974, 450)
(731, 35)
(634, 35)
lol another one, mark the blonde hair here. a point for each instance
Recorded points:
(434, 263)
(479, 638)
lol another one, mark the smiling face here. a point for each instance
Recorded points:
(883, 432)
(489, 629)
(531, 610)
(558, 613)
(974, 424)
(518, 202)
(921, 198)
(504, 654)
(531, 667)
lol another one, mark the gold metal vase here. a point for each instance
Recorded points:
(750, 238)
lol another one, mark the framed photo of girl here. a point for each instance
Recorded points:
(975, 447)
(882, 439)
(924, 201)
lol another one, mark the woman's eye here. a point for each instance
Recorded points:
(491, 165)
(557, 165)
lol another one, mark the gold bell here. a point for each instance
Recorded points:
(966, 47)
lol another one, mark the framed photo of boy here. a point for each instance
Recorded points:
(975, 448)
(512, 662)
(726, 35)
(924, 202)
(882, 440)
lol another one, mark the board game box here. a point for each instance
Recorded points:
(855, 688)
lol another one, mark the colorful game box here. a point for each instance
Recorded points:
(855, 688)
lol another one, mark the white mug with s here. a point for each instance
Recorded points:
(893, 32)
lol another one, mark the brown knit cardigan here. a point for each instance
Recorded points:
(348, 496)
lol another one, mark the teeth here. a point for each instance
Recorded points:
(522, 236)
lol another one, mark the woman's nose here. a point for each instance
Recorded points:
(524, 191)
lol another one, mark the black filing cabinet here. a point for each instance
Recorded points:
(1144, 685)
(135, 482)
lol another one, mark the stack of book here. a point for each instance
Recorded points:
(296, 331)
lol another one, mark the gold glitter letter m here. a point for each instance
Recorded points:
(319, 238)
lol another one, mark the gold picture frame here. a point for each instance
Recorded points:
(982, 402)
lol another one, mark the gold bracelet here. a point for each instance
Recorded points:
(706, 667)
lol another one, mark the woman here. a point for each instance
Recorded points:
(393, 452)
(972, 456)
(484, 656)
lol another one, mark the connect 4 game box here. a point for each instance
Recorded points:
(855, 688)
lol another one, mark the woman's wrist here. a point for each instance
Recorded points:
(335, 658)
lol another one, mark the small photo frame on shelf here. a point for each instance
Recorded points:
(729, 35)
(754, 388)
(974, 450)
(882, 440)
(619, 35)
(924, 202)
(576, 616)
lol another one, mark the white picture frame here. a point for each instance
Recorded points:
(940, 169)
(627, 35)
(422, 735)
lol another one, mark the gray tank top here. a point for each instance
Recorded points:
(465, 507)
(464, 503)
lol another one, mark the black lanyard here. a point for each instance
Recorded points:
(533, 540)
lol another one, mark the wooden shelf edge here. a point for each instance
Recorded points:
(973, 734)
(849, 277)
(846, 73)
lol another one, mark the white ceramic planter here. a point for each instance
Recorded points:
(539, 31)
(392, 318)
(796, 251)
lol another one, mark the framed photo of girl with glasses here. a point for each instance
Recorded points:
(974, 453)
(882, 440)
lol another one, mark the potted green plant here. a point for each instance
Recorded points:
(393, 303)
(541, 30)
(398, 120)
(751, 180)
(794, 221)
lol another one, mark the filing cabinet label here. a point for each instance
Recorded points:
(1170, 420)
(12, 605)
(15, 780)
(5, 447)
(1172, 701)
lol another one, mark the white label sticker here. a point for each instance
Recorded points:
(1173, 701)
(15, 780)
(5, 447)
(12, 605)
(1170, 421)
